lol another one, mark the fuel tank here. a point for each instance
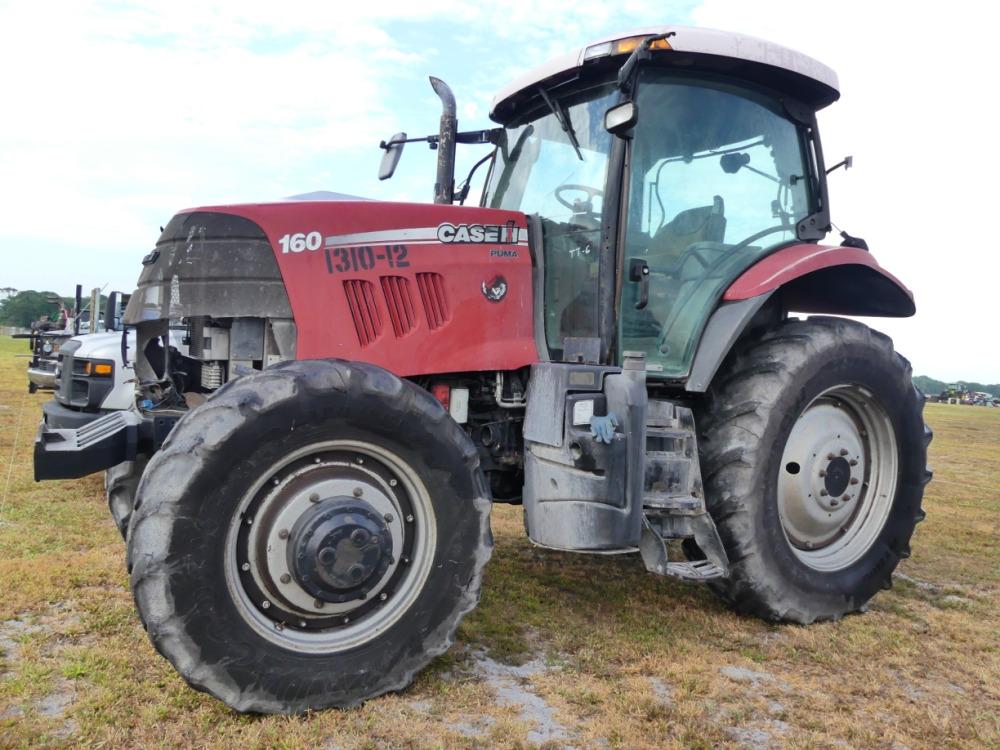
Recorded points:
(413, 288)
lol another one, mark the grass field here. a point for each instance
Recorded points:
(563, 651)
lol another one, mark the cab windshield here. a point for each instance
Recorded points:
(543, 169)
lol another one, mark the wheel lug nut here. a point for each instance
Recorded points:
(843, 451)
(348, 619)
(358, 492)
(319, 604)
(388, 517)
(824, 493)
(830, 456)
(302, 623)
(852, 462)
(314, 497)
(285, 578)
(393, 482)
(834, 503)
(283, 534)
(383, 596)
(822, 473)
(409, 519)
(265, 604)
(854, 480)
(845, 498)
(245, 566)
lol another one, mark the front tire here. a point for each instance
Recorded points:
(309, 537)
(814, 453)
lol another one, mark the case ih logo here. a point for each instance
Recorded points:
(494, 234)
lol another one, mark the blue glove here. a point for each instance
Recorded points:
(603, 428)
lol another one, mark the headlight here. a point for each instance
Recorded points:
(97, 368)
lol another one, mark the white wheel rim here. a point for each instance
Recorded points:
(837, 479)
(255, 567)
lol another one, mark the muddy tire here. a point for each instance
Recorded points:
(814, 457)
(120, 484)
(227, 573)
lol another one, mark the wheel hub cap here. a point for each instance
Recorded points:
(339, 548)
(837, 477)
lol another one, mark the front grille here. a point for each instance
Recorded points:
(64, 382)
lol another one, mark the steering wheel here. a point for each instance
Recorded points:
(708, 269)
(575, 205)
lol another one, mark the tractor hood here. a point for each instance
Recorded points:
(412, 287)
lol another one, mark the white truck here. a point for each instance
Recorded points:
(94, 375)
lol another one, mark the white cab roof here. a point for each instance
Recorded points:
(694, 40)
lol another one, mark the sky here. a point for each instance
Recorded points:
(118, 114)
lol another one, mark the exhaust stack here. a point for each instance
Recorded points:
(444, 187)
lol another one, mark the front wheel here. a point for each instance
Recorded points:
(309, 537)
(814, 453)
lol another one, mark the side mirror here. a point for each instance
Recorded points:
(111, 312)
(393, 150)
(621, 118)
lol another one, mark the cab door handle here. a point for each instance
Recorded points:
(638, 271)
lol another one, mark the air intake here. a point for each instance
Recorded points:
(364, 311)
(398, 299)
(431, 286)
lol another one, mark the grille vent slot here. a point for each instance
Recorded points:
(364, 310)
(431, 286)
(399, 300)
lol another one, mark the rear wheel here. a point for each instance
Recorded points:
(309, 537)
(813, 450)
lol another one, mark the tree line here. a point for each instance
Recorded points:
(23, 308)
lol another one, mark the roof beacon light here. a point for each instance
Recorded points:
(621, 47)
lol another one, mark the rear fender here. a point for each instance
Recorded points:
(800, 278)
(824, 279)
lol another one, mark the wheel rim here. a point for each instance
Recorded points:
(330, 547)
(837, 478)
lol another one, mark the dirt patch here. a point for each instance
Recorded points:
(764, 736)
(662, 691)
(510, 683)
(11, 634)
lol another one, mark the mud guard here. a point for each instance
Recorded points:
(810, 279)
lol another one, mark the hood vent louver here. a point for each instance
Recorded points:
(364, 310)
(399, 301)
(431, 286)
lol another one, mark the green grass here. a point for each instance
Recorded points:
(921, 668)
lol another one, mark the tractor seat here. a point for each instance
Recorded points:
(693, 225)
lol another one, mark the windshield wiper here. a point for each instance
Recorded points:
(563, 119)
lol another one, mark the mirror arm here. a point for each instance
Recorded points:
(847, 162)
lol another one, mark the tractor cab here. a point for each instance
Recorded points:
(716, 164)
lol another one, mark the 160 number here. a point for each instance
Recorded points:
(300, 241)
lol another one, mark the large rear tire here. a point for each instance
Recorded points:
(309, 537)
(814, 457)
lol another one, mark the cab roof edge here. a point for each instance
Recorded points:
(709, 42)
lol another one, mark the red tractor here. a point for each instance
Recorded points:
(607, 339)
